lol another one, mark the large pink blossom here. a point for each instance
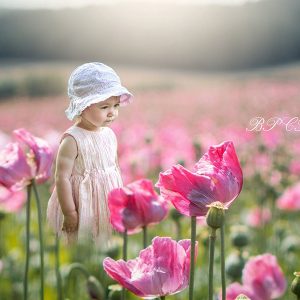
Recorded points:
(136, 205)
(11, 201)
(290, 200)
(217, 177)
(15, 172)
(161, 269)
(42, 153)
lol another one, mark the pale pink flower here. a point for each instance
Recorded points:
(39, 151)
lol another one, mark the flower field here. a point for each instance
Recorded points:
(187, 141)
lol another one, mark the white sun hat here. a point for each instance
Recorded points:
(92, 83)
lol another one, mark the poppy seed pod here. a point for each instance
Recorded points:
(240, 238)
(295, 286)
(216, 215)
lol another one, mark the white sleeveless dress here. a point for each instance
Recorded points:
(95, 174)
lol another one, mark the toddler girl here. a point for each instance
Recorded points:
(86, 164)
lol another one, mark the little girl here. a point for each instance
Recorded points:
(86, 164)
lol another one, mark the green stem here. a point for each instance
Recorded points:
(162, 297)
(192, 260)
(125, 238)
(38, 203)
(145, 236)
(178, 229)
(57, 270)
(27, 242)
(72, 268)
(212, 239)
(223, 275)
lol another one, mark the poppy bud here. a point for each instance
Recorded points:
(295, 286)
(95, 289)
(234, 266)
(239, 238)
(115, 292)
(216, 215)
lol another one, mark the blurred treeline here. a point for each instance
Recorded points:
(157, 35)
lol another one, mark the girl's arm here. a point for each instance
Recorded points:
(67, 153)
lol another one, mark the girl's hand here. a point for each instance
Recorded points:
(70, 222)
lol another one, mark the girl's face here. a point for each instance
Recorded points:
(103, 113)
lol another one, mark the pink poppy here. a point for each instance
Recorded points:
(263, 275)
(235, 289)
(136, 205)
(161, 269)
(15, 172)
(217, 177)
(290, 200)
(11, 201)
(42, 153)
(258, 217)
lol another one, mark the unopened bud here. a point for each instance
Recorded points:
(95, 289)
(216, 215)
(295, 286)
(115, 292)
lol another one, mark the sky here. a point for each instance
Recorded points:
(58, 4)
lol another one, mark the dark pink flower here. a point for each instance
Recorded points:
(11, 201)
(264, 277)
(290, 200)
(42, 153)
(161, 269)
(217, 177)
(136, 205)
(15, 172)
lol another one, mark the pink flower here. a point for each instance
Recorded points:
(264, 277)
(11, 201)
(290, 200)
(235, 289)
(136, 205)
(217, 177)
(15, 173)
(42, 153)
(258, 217)
(161, 269)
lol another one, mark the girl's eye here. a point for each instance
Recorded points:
(104, 107)
(117, 105)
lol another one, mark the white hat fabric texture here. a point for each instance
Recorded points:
(92, 83)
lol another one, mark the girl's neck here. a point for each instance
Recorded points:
(86, 124)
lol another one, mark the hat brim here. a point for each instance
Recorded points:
(77, 106)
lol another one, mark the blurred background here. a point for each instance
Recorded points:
(200, 70)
